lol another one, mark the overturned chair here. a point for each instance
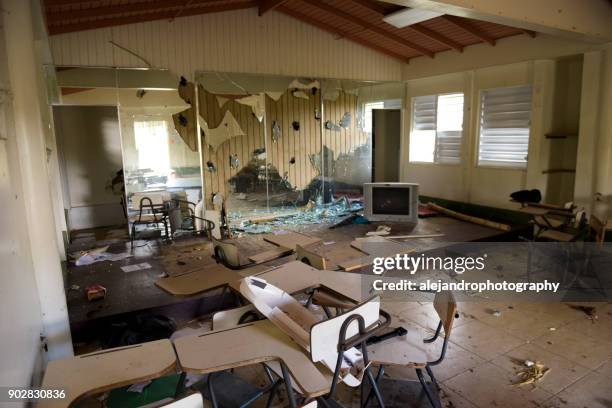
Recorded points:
(228, 254)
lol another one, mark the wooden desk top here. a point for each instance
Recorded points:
(249, 344)
(296, 276)
(211, 277)
(104, 370)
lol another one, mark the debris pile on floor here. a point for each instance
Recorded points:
(311, 214)
(97, 255)
(531, 372)
(589, 311)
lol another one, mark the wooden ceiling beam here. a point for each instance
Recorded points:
(334, 30)
(375, 7)
(116, 21)
(268, 5)
(371, 27)
(530, 33)
(108, 11)
(465, 26)
(64, 2)
(431, 34)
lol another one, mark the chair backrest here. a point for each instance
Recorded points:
(446, 307)
(192, 401)
(598, 229)
(157, 197)
(310, 258)
(226, 253)
(324, 336)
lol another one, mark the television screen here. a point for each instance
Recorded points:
(391, 200)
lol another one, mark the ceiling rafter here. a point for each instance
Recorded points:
(530, 33)
(115, 21)
(62, 2)
(465, 26)
(371, 27)
(334, 30)
(268, 5)
(431, 34)
(151, 7)
(419, 29)
(375, 7)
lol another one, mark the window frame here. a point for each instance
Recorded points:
(410, 131)
(508, 166)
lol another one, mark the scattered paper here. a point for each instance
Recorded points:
(97, 255)
(135, 267)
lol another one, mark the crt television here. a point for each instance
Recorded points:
(391, 201)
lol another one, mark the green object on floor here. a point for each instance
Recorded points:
(160, 388)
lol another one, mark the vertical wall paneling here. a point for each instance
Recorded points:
(233, 41)
(298, 144)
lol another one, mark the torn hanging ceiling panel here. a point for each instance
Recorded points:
(304, 85)
(227, 129)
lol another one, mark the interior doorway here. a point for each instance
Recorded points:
(91, 166)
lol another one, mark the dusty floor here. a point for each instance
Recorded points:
(488, 346)
(485, 350)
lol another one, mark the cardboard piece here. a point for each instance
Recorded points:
(327, 257)
(212, 277)
(290, 239)
(270, 255)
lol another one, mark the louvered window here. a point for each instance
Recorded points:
(505, 119)
(437, 129)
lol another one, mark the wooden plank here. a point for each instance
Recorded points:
(290, 239)
(469, 218)
(94, 373)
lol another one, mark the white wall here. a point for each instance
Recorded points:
(467, 181)
(30, 151)
(234, 41)
(89, 145)
(20, 327)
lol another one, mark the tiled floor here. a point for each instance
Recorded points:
(486, 351)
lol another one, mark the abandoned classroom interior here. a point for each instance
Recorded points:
(202, 199)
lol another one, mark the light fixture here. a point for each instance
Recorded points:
(409, 16)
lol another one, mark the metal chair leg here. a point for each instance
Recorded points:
(430, 397)
(211, 391)
(381, 371)
(180, 386)
(287, 379)
(433, 378)
(374, 384)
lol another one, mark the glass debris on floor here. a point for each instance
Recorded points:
(311, 213)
